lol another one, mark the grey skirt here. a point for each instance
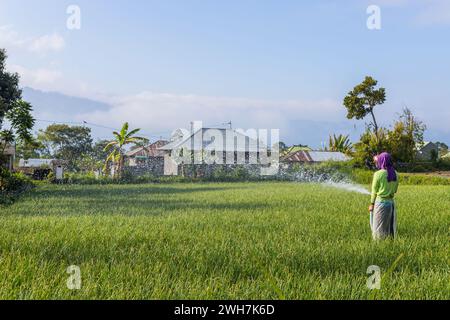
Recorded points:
(383, 220)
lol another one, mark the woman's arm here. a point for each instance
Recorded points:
(375, 186)
(396, 183)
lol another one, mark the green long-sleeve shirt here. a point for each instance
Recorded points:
(382, 190)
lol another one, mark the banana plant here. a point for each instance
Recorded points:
(116, 148)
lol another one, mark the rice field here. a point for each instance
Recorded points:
(221, 241)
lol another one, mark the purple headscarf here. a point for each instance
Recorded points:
(384, 161)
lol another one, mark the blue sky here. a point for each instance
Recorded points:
(282, 64)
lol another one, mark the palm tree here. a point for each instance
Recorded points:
(340, 143)
(116, 148)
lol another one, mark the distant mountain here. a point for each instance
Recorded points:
(58, 104)
(50, 107)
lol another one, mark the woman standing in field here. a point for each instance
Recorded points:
(383, 220)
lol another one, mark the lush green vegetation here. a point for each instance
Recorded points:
(16, 121)
(336, 171)
(365, 177)
(12, 185)
(220, 240)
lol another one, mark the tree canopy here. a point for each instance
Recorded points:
(9, 87)
(362, 100)
(12, 108)
(65, 142)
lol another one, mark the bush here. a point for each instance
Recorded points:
(443, 164)
(12, 185)
(327, 171)
(416, 167)
(193, 173)
(240, 174)
(127, 178)
(221, 173)
(362, 176)
(85, 178)
(411, 179)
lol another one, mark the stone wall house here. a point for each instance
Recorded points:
(212, 147)
(146, 159)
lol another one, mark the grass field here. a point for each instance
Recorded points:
(221, 241)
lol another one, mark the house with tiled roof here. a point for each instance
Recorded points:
(294, 149)
(144, 154)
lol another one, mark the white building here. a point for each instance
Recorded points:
(214, 146)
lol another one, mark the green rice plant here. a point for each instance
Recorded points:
(264, 240)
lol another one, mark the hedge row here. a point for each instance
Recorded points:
(365, 177)
(12, 185)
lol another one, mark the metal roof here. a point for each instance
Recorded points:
(322, 156)
(315, 156)
(218, 140)
(35, 163)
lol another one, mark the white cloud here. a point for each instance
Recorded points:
(40, 78)
(42, 45)
(53, 42)
(52, 79)
(157, 112)
(9, 37)
(161, 113)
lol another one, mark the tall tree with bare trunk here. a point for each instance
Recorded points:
(362, 100)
